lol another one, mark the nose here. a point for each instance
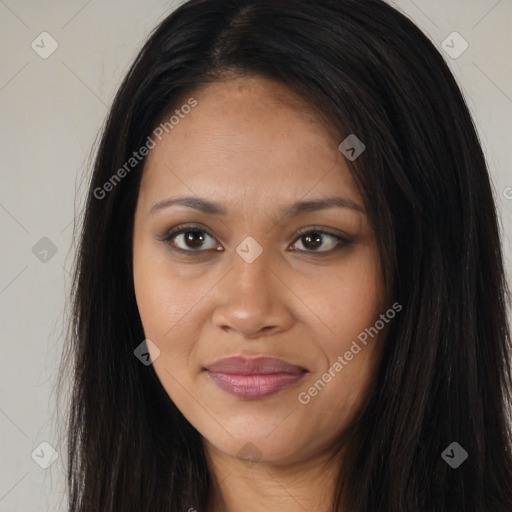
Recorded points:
(253, 299)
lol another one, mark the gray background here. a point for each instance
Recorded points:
(51, 110)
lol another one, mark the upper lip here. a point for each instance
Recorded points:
(239, 365)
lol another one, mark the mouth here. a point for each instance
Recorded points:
(254, 378)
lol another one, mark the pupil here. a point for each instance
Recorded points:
(314, 239)
(195, 237)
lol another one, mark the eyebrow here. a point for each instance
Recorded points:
(209, 207)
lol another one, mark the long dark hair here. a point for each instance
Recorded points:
(444, 374)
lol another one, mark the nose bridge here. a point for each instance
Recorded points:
(251, 266)
(249, 299)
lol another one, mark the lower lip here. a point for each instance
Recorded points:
(251, 387)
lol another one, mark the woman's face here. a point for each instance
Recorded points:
(258, 271)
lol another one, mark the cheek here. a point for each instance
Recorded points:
(348, 304)
(165, 293)
(349, 299)
(166, 319)
(166, 307)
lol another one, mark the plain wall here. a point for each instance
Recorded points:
(51, 110)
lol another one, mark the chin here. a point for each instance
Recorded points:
(260, 448)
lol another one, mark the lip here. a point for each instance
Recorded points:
(254, 378)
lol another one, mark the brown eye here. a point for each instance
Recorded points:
(312, 240)
(189, 239)
(193, 239)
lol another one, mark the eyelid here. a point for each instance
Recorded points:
(345, 237)
(180, 228)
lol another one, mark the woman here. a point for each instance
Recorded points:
(289, 291)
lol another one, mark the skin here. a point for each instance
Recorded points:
(255, 147)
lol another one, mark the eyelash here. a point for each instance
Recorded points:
(182, 229)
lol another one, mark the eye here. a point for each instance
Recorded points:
(315, 238)
(189, 239)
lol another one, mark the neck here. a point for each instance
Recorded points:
(271, 486)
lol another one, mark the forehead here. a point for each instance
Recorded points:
(247, 134)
